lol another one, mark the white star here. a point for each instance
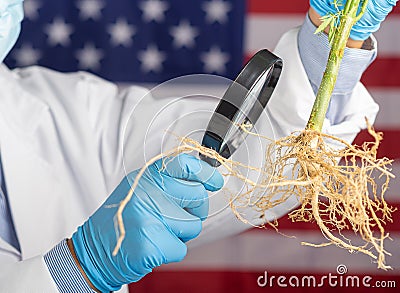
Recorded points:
(215, 60)
(90, 9)
(26, 55)
(151, 59)
(59, 32)
(153, 10)
(31, 9)
(121, 33)
(217, 11)
(184, 34)
(89, 57)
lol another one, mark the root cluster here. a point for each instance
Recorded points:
(339, 190)
(336, 187)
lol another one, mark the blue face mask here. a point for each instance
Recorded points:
(11, 15)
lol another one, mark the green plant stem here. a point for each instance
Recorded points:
(348, 18)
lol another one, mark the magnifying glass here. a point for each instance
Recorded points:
(242, 105)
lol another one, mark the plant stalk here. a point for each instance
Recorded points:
(348, 18)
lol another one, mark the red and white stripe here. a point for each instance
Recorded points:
(234, 264)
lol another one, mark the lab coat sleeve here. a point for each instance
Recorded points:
(30, 275)
(37, 274)
(33, 275)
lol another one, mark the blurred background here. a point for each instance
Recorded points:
(151, 41)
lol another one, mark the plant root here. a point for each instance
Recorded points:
(335, 187)
(337, 195)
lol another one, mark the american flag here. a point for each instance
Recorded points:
(133, 41)
(155, 40)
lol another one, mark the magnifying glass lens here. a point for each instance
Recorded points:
(242, 103)
(252, 99)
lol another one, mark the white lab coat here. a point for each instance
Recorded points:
(62, 144)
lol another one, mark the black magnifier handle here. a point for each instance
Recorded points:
(242, 103)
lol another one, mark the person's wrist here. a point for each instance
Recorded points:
(316, 20)
(96, 266)
(73, 253)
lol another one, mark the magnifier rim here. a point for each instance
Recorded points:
(267, 73)
(246, 80)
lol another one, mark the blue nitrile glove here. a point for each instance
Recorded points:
(376, 12)
(165, 211)
(11, 15)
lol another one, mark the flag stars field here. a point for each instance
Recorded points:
(215, 60)
(217, 11)
(133, 40)
(31, 9)
(89, 57)
(121, 33)
(184, 34)
(59, 32)
(90, 9)
(154, 10)
(151, 59)
(26, 55)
